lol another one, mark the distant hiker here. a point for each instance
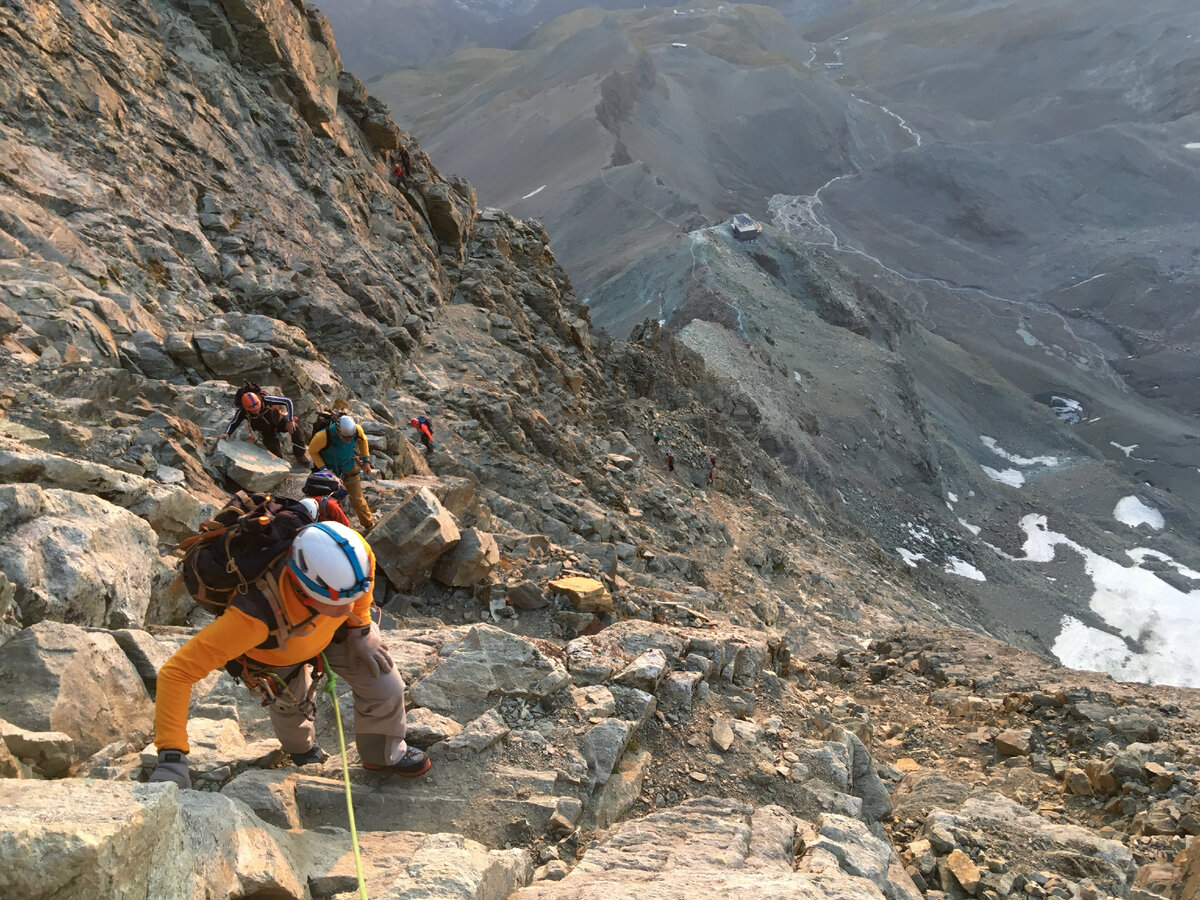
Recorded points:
(311, 606)
(670, 462)
(657, 438)
(323, 496)
(710, 476)
(405, 160)
(338, 447)
(270, 416)
(425, 430)
(712, 462)
(398, 173)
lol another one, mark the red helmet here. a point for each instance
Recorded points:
(252, 403)
(413, 423)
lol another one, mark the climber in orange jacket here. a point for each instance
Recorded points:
(315, 606)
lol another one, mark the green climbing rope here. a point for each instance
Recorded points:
(337, 714)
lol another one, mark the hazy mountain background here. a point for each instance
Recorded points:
(1003, 194)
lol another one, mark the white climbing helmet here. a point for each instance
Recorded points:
(314, 511)
(346, 427)
(330, 563)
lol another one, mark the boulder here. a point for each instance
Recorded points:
(470, 561)
(424, 728)
(47, 752)
(701, 847)
(62, 678)
(603, 745)
(620, 792)
(489, 661)
(408, 540)
(249, 466)
(78, 558)
(526, 595)
(585, 594)
(594, 702)
(477, 735)
(171, 510)
(1014, 742)
(87, 840)
(645, 672)
(604, 556)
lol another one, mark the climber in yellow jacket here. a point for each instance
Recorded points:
(317, 602)
(338, 448)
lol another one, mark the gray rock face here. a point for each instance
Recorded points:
(1004, 827)
(487, 662)
(62, 678)
(92, 840)
(707, 846)
(75, 557)
(250, 467)
(411, 538)
(469, 562)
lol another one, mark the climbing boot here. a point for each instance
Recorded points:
(413, 763)
(313, 754)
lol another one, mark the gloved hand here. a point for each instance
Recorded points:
(172, 766)
(367, 645)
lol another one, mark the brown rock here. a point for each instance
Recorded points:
(722, 735)
(585, 594)
(964, 870)
(1076, 781)
(1015, 742)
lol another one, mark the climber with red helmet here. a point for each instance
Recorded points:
(338, 448)
(425, 430)
(322, 588)
(270, 416)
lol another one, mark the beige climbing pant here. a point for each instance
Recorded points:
(379, 723)
(353, 483)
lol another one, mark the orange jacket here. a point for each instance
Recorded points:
(236, 633)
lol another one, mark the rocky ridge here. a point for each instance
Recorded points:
(630, 683)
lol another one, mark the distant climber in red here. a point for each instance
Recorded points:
(425, 429)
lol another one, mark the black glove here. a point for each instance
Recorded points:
(366, 644)
(172, 766)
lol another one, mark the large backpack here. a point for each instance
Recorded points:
(242, 546)
(324, 419)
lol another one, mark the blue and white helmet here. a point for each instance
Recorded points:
(330, 563)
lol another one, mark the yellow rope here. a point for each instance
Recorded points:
(337, 714)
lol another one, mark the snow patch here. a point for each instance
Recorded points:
(534, 193)
(1141, 609)
(1008, 476)
(1125, 450)
(909, 557)
(956, 566)
(1133, 512)
(995, 447)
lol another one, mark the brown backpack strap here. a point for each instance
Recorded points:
(268, 583)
